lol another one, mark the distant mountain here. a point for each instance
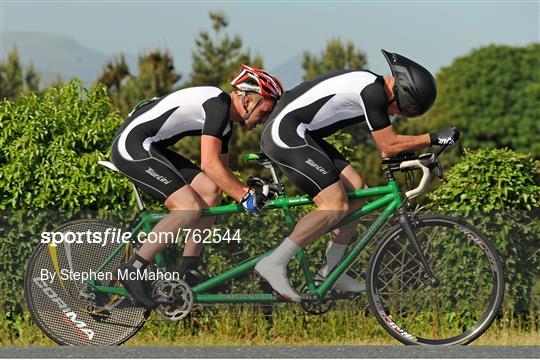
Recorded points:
(54, 55)
(290, 72)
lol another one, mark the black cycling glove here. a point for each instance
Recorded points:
(444, 137)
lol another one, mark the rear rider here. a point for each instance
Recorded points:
(140, 151)
(294, 139)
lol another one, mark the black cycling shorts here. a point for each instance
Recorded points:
(309, 161)
(157, 171)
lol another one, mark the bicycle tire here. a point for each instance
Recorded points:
(392, 252)
(57, 307)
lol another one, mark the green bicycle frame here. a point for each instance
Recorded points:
(389, 198)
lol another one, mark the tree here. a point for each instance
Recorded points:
(492, 95)
(336, 56)
(13, 80)
(50, 144)
(216, 59)
(157, 74)
(32, 78)
(114, 72)
(217, 56)
(112, 76)
(157, 77)
(498, 190)
(11, 77)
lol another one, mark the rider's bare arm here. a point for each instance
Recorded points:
(391, 143)
(224, 159)
(214, 164)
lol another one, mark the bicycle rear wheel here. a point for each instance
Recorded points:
(63, 308)
(457, 311)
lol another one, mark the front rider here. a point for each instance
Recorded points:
(294, 138)
(140, 151)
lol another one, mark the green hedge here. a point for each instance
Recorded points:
(49, 172)
(498, 190)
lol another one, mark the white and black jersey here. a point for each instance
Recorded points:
(294, 134)
(140, 151)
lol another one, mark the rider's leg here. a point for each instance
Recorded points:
(314, 166)
(185, 206)
(185, 209)
(211, 196)
(166, 176)
(332, 205)
(341, 237)
(351, 181)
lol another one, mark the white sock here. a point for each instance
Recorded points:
(334, 253)
(273, 269)
(284, 253)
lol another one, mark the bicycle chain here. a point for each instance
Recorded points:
(259, 309)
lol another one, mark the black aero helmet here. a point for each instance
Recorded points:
(414, 88)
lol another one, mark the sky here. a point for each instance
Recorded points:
(430, 32)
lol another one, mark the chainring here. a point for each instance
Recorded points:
(318, 307)
(175, 299)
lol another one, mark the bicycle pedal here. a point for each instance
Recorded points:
(347, 295)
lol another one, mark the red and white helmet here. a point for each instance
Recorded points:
(259, 81)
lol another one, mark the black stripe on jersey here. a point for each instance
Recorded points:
(217, 115)
(296, 117)
(136, 114)
(376, 104)
(300, 89)
(142, 131)
(173, 140)
(217, 110)
(335, 127)
(225, 141)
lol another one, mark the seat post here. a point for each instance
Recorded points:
(138, 197)
(275, 177)
(270, 165)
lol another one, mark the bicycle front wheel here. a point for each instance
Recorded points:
(460, 308)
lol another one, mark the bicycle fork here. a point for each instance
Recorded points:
(405, 223)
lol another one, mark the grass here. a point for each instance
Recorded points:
(286, 327)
